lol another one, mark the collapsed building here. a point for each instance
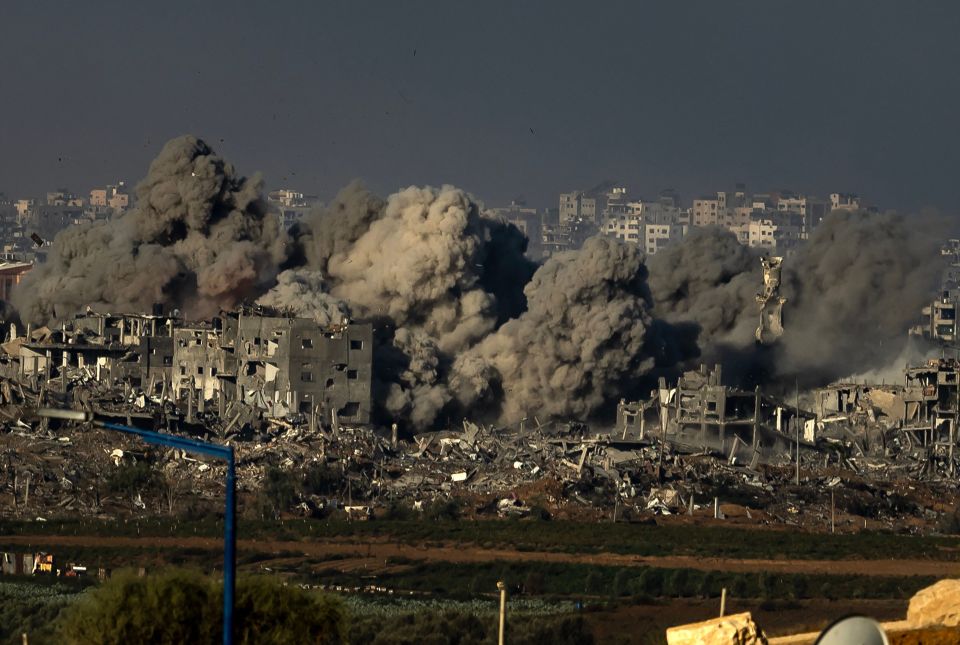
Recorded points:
(278, 365)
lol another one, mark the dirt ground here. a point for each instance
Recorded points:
(372, 554)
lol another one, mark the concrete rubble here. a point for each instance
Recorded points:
(735, 629)
(291, 396)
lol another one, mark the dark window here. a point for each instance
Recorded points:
(183, 370)
(356, 344)
(213, 371)
(200, 370)
(306, 377)
(352, 375)
(307, 343)
(351, 409)
(167, 361)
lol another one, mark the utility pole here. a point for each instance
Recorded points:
(832, 507)
(796, 421)
(501, 585)
(230, 508)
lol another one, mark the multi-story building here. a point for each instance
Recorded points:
(291, 206)
(201, 368)
(707, 211)
(812, 210)
(63, 197)
(113, 196)
(660, 235)
(291, 365)
(577, 207)
(10, 275)
(774, 231)
(24, 208)
(651, 225)
(556, 238)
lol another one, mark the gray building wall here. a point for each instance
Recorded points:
(294, 365)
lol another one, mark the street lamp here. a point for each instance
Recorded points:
(199, 447)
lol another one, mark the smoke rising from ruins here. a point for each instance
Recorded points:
(199, 239)
(465, 323)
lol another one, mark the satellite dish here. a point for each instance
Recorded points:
(853, 630)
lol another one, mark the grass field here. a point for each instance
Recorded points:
(532, 535)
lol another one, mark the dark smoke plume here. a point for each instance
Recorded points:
(464, 324)
(853, 290)
(582, 338)
(439, 271)
(711, 279)
(199, 238)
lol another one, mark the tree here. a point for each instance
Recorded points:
(185, 607)
(279, 491)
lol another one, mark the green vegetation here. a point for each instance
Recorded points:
(185, 607)
(31, 605)
(555, 580)
(460, 628)
(435, 525)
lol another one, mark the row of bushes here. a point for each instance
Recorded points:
(185, 607)
(465, 580)
(400, 523)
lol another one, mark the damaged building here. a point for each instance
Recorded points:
(279, 365)
(700, 413)
(290, 365)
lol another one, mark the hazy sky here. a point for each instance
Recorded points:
(503, 99)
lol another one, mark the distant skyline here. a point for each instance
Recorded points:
(502, 99)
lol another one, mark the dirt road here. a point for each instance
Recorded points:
(374, 554)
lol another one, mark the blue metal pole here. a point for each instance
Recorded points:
(229, 551)
(230, 510)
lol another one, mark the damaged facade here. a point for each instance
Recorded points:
(770, 301)
(277, 365)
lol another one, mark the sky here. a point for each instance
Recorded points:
(504, 99)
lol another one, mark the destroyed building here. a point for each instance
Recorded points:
(291, 365)
(700, 413)
(277, 364)
(770, 301)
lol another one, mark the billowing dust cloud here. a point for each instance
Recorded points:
(465, 324)
(852, 292)
(199, 239)
(581, 339)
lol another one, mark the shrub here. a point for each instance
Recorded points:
(279, 492)
(185, 607)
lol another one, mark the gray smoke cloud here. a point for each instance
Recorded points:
(416, 391)
(464, 324)
(580, 342)
(852, 292)
(421, 264)
(303, 293)
(438, 270)
(199, 238)
(334, 228)
(710, 279)
(854, 289)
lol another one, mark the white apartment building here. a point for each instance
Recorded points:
(651, 225)
(774, 231)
